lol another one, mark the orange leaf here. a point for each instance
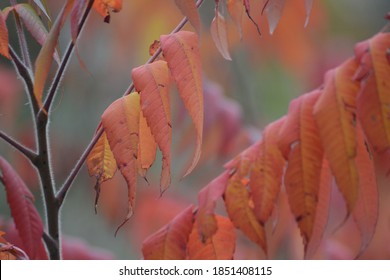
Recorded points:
(25, 215)
(335, 115)
(188, 8)
(220, 246)
(45, 56)
(273, 9)
(147, 147)
(103, 7)
(266, 173)
(235, 9)
(207, 197)
(153, 80)
(9, 251)
(181, 50)
(3, 37)
(373, 102)
(170, 242)
(121, 124)
(322, 211)
(366, 210)
(101, 162)
(237, 199)
(219, 34)
(302, 177)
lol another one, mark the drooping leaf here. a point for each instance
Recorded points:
(373, 102)
(45, 56)
(235, 9)
(103, 7)
(207, 197)
(121, 124)
(273, 10)
(308, 6)
(42, 5)
(237, 199)
(220, 246)
(152, 81)
(303, 174)
(266, 173)
(3, 37)
(322, 211)
(366, 210)
(335, 115)
(170, 242)
(101, 162)
(181, 50)
(188, 8)
(218, 31)
(147, 146)
(23, 211)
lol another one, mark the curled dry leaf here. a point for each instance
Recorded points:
(3, 37)
(103, 7)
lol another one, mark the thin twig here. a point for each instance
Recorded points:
(73, 174)
(24, 72)
(31, 155)
(64, 63)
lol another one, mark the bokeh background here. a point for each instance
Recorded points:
(241, 97)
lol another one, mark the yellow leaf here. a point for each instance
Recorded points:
(101, 162)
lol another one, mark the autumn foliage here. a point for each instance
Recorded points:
(331, 137)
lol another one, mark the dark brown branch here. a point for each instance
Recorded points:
(29, 154)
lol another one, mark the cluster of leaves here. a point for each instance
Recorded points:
(332, 131)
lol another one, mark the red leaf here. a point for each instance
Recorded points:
(152, 81)
(121, 124)
(220, 246)
(181, 50)
(3, 37)
(207, 197)
(188, 8)
(170, 242)
(21, 201)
